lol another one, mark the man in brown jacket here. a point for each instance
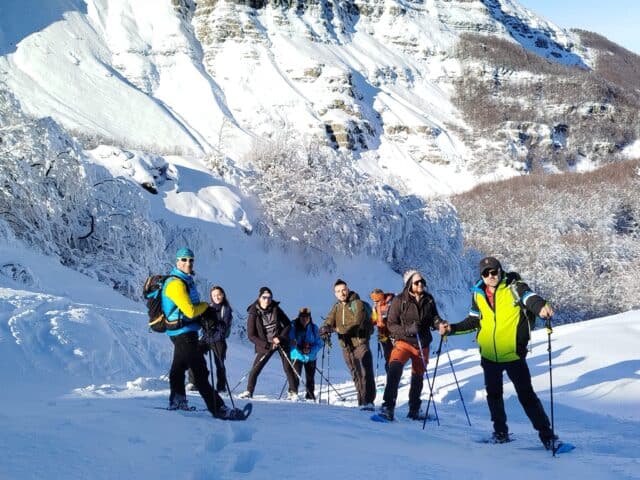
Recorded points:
(350, 319)
(413, 314)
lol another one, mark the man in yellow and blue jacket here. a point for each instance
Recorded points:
(182, 306)
(498, 315)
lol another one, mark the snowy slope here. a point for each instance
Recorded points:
(127, 71)
(81, 379)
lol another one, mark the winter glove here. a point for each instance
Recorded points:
(325, 333)
(208, 319)
(296, 355)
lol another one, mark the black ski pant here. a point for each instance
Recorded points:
(360, 363)
(219, 354)
(309, 373)
(518, 372)
(187, 355)
(261, 360)
(391, 389)
(387, 347)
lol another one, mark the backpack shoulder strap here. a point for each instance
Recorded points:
(512, 280)
(164, 282)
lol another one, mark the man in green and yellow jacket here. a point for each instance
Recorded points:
(498, 313)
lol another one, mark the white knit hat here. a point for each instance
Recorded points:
(408, 275)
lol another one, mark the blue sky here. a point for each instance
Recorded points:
(618, 20)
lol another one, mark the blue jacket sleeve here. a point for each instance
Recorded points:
(316, 345)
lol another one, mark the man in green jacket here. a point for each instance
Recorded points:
(498, 312)
(350, 319)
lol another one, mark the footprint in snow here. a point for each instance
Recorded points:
(215, 442)
(246, 461)
(242, 433)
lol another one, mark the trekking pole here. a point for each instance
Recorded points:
(324, 344)
(456, 379)
(329, 384)
(291, 365)
(285, 383)
(378, 358)
(205, 337)
(328, 369)
(211, 367)
(248, 372)
(430, 384)
(553, 430)
(226, 382)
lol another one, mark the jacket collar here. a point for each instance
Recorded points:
(181, 274)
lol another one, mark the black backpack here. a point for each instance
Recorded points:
(152, 292)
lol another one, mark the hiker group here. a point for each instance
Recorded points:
(501, 310)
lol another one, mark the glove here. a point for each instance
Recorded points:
(208, 319)
(325, 333)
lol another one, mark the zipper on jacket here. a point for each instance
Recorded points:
(495, 319)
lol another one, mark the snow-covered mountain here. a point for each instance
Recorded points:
(210, 104)
(377, 79)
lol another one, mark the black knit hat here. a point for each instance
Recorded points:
(265, 290)
(489, 263)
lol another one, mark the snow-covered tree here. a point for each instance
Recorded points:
(574, 237)
(311, 194)
(66, 207)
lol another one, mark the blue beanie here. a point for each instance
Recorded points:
(184, 252)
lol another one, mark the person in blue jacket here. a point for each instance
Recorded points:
(182, 306)
(305, 344)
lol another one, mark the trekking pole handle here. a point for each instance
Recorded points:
(547, 324)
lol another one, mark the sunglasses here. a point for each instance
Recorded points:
(420, 282)
(185, 260)
(266, 297)
(490, 273)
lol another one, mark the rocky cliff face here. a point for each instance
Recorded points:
(416, 90)
(394, 82)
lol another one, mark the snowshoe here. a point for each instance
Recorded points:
(496, 438)
(384, 415)
(419, 415)
(180, 402)
(235, 413)
(368, 407)
(563, 447)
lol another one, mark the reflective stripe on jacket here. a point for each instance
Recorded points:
(503, 331)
